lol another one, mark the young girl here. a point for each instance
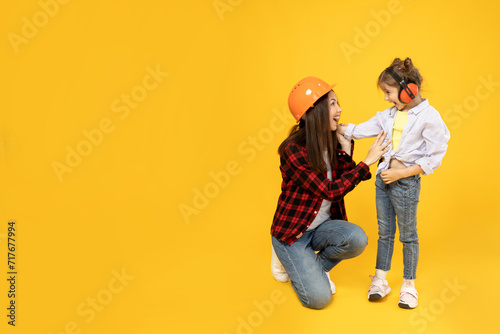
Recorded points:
(318, 171)
(419, 143)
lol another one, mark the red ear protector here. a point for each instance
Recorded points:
(408, 91)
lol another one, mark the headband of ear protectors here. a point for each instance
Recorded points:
(408, 91)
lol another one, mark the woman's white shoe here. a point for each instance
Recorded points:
(332, 285)
(277, 269)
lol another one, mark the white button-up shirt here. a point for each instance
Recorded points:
(424, 140)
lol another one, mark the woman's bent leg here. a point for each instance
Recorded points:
(338, 240)
(306, 273)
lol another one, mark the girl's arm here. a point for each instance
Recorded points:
(394, 174)
(370, 128)
(294, 164)
(297, 167)
(436, 137)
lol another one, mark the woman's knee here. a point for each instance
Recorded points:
(358, 240)
(317, 301)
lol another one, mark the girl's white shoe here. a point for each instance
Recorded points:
(277, 269)
(379, 288)
(408, 297)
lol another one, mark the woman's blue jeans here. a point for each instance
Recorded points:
(334, 240)
(399, 200)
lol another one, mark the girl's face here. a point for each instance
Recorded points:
(391, 95)
(334, 110)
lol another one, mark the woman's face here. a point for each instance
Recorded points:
(334, 110)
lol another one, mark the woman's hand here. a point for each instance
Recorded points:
(377, 150)
(341, 128)
(344, 143)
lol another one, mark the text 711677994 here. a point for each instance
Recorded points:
(11, 272)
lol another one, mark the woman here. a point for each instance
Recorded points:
(318, 171)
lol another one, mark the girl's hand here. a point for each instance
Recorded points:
(377, 150)
(391, 175)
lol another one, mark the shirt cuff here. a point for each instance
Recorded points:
(349, 131)
(364, 171)
(425, 166)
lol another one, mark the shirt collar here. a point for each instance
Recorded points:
(418, 108)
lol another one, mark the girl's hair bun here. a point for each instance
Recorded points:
(407, 65)
(405, 69)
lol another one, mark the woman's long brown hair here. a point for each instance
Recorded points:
(315, 134)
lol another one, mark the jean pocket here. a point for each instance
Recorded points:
(404, 183)
(409, 181)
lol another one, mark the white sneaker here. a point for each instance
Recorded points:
(408, 297)
(277, 269)
(379, 288)
(332, 285)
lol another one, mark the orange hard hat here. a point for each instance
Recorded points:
(305, 93)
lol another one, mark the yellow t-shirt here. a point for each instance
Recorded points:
(399, 125)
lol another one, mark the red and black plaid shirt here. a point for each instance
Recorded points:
(303, 190)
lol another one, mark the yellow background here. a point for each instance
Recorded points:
(216, 113)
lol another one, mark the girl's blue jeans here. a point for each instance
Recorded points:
(399, 200)
(334, 241)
